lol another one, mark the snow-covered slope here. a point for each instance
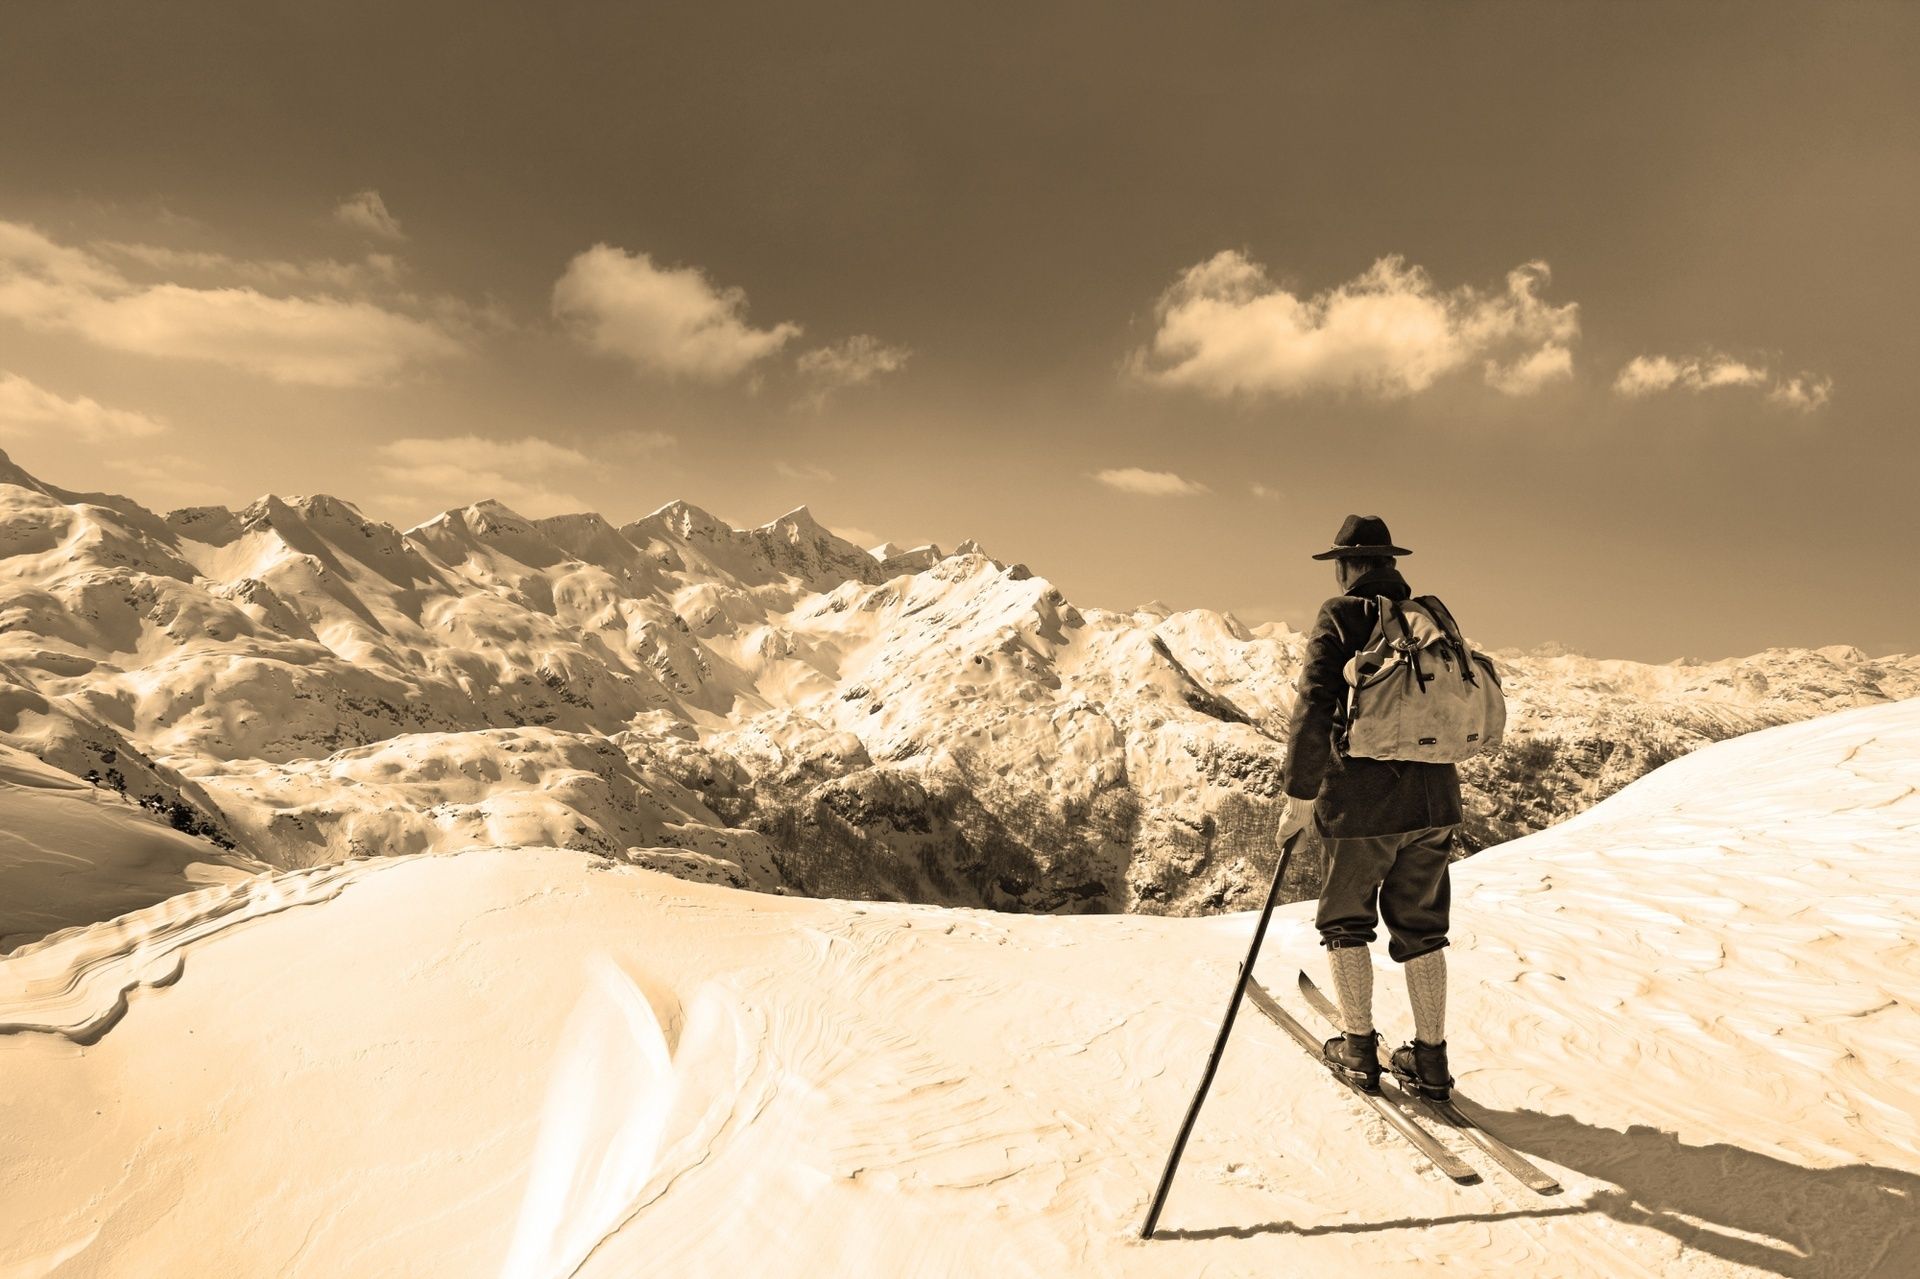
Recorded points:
(72, 853)
(793, 712)
(1699, 1003)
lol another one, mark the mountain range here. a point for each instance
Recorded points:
(292, 684)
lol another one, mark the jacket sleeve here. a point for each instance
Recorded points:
(1320, 690)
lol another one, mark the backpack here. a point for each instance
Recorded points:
(1417, 692)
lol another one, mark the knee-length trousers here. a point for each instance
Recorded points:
(1401, 879)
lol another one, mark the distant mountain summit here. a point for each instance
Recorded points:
(788, 710)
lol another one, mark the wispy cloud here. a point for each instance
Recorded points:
(1225, 329)
(670, 321)
(528, 474)
(1646, 375)
(207, 268)
(853, 362)
(806, 472)
(1132, 479)
(318, 339)
(366, 211)
(1805, 392)
(168, 481)
(1265, 492)
(25, 407)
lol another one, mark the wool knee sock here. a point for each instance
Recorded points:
(1353, 987)
(1427, 991)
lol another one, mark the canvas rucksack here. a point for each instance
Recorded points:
(1416, 691)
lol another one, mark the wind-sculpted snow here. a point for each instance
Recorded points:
(1761, 897)
(77, 982)
(1694, 1004)
(775, 706)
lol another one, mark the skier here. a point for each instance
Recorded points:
(1388, 827)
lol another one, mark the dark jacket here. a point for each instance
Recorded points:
(1357, 796)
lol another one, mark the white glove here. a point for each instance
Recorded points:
(1299, 813)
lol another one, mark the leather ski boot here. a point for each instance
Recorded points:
(1422, 1067)
(1355, 1058)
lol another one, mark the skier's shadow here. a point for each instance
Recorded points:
(1854, 1221)
(1748, 1208)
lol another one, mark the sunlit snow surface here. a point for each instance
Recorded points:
(1696, 1003)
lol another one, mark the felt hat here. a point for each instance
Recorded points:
(1362, 535)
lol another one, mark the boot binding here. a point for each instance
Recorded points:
(1355, 1058)
(1422, 1068)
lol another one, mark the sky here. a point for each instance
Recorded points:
(1606, 308)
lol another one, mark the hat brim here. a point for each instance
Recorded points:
(1353, 552)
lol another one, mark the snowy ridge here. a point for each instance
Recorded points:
(1695, 1005)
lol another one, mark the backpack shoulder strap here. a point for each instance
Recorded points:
(1444, 616)
(1440, 613)
(1390, 617)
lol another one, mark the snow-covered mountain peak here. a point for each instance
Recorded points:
(682, 520)
(588, 524)
(316, 508)
(800, 518)
(212, 525)
(912, 560)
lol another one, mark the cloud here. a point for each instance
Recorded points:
(375, 270)
(632, 443)
(366, 211)
(863, 537)
(527, 474)
(1131, 479)
(1646, 375)
(1266, 493)
(1530, 372)
(1805, 392)
(804, 471)
(318, 340)
(25, 407)
(670, 321)
(853, 362)
(1225, 329)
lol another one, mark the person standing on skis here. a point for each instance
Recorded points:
(1388, 827)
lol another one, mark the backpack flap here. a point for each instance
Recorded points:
(1418, 692)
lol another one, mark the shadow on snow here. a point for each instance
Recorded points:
(1746, 1208)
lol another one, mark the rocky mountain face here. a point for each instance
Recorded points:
(771, 707)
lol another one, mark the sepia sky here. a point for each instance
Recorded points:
(1607, 308)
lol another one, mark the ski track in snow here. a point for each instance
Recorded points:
(1696, 1005)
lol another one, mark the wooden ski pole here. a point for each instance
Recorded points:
(1220, 1042)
